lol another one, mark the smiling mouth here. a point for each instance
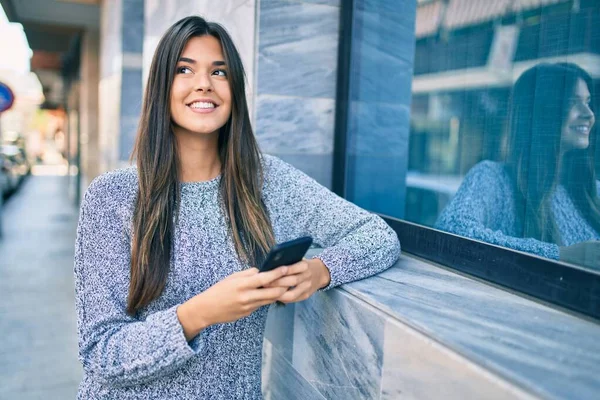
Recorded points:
(202, 105)
(582, 129)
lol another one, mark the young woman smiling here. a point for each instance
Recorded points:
(170, 304)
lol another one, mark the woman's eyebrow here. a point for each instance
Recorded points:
(192, 61)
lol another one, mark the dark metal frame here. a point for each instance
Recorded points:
(567, 286)
(564, 285)
(342, 98)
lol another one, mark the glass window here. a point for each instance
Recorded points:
(502, 138)
(502, 145)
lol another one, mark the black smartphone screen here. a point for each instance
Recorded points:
(286, 253)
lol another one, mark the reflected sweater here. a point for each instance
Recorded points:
(148, 357)
(484, 209)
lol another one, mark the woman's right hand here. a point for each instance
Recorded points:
(586, 254)
(234, 297)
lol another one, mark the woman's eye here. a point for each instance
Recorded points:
(220, 72)
(586, 103)
(183, 70)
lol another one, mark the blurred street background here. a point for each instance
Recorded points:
(38, 350)
(38, 216)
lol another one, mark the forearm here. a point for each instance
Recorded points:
(324, 276)
(130, 353)
(192, 321)
(365, 251)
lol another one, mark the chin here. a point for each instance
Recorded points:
(581, 144)
(200, 130)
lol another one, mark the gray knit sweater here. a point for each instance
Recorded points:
(147, 357)
(484, 209)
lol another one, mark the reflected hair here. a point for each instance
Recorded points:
(159, 170)
(540, 105)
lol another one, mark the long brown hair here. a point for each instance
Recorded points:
(158, 168)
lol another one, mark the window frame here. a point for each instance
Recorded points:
(564, 285)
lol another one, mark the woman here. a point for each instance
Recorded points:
(545, 198)
(170, 305)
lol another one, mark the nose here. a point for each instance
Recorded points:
(585, 111)
(203, 83)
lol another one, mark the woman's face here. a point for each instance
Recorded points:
(580, 120)
(200, 95)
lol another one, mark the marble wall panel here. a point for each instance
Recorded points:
(111, 18)
(131, 93)
(295, 125)
(127, 128)
(338, 346)
(296, 75)
(297, 49)
(551, 352)
(279, 330)
(416, 367)
(300, 131)
(281, 381)
(120, 88)
(109, 86)
(109, 104)
(133, 29)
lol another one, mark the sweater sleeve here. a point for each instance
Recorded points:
(115, 348)
(356, 243)
(480, 200)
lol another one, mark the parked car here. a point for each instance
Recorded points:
(5, 182)
(12, 138)
(15, 166)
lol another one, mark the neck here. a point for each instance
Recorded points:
(198, 156)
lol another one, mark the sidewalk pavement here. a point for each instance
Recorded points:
(38, 337)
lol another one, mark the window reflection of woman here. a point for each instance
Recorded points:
(544, 199)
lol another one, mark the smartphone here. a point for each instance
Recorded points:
(286, 253)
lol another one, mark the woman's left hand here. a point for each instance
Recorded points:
(303, 278)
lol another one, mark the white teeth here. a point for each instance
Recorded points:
(581, 129)
(201, 104)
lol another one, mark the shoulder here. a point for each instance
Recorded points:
(274, 165)
(111, 188)
(486, 173)
(489, 179)
(487, 168)
(283, 179)
(277, 172)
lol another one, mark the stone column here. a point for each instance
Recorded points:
(120, 89)
(297, 73)
(88, 104)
